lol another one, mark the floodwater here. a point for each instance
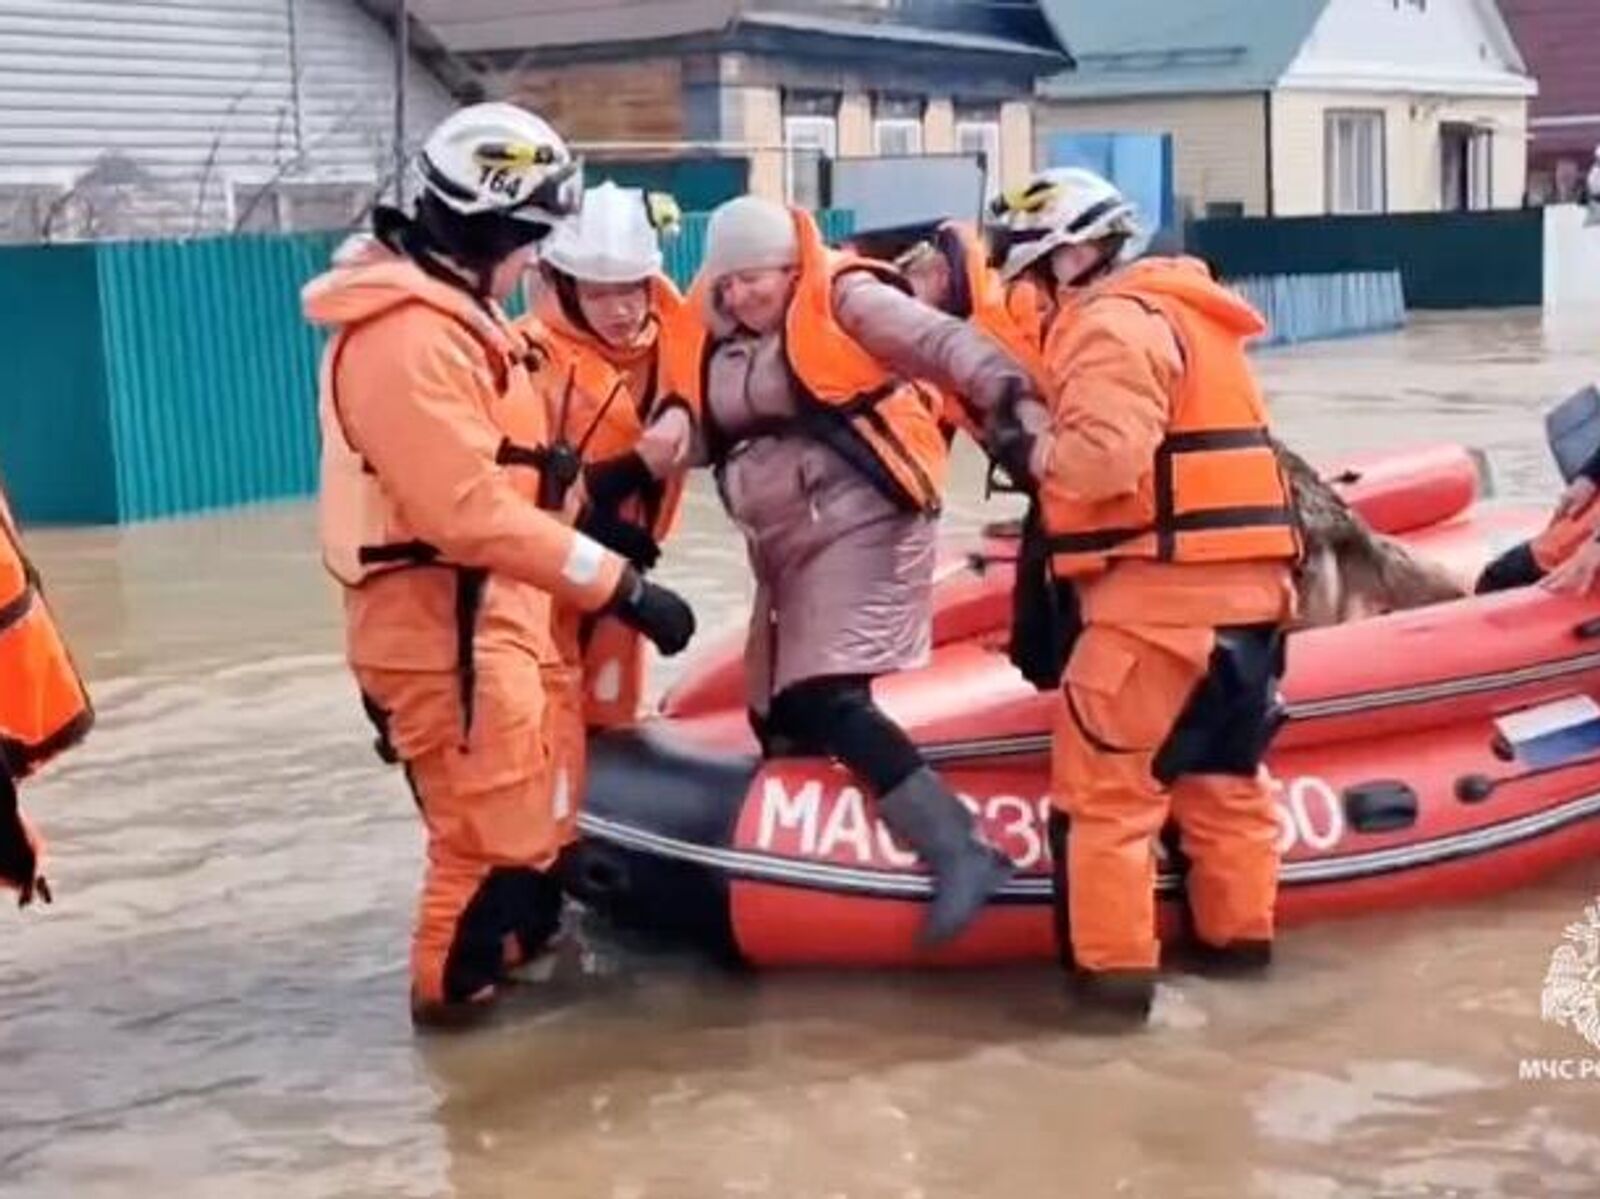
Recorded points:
(216, 1004)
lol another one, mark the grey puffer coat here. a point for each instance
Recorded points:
(843, 576)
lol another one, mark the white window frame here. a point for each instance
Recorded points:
(808, 134)
(887, 129)
(1355, 161)
(1480, 169)
(986, 136)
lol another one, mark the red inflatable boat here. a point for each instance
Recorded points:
(1430, 756)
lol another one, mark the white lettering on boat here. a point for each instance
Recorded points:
(1310, 814)
(838, 823)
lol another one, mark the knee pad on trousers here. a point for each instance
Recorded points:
(1234, 713)
(510, 902)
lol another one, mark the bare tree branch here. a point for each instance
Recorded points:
(295, 163)
(212, 154)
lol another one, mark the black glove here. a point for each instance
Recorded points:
(614, 480)
(621, 537)
(1007, 442)
(658, 612)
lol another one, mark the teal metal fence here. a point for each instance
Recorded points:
(1446, 259)
(151, 379)
(1314, 307)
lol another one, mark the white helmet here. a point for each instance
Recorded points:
(1064, 206)
(616, 238)
(501, 159)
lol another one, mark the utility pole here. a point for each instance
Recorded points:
(402, 64)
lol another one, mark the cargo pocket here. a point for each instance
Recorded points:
(492, 799)
(1124, 696)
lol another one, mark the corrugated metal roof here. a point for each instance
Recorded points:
(1143, 47)
(982, 43)
(467, 26)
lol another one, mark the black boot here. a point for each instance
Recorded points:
(1111, 1001)
(923, 813)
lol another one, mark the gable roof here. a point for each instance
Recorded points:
(1148, 47)
(474, 26)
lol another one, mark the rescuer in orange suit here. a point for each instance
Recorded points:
(44, 708)
(443, 518)
(604, 308)
(1163, 508)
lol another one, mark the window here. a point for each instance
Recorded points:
(897, 125)
(982, 137)
(807, 142)
(896, 137)
(1354, 161)
(1466, 174)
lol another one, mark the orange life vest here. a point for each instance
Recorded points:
(44, 707)
(987, 302)
(364, 533)
(886, 427)
(594, 409)
(979, 296)
(1215, 491)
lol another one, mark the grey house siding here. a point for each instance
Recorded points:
(168, 117)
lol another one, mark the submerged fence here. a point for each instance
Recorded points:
(149, 379)
(1314, 307)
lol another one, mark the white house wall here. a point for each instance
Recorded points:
(1440, 46)
(156, 96)
(1411, 140)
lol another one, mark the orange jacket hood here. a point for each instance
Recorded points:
(368, 279)
(1189, 281)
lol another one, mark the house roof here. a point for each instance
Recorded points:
(1556, 38)
(475, 26)
(902, 34)
(1143, 47)
(469, 26)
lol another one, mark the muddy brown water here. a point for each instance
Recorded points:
(215, 1006)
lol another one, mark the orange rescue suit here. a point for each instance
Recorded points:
(604, 398)
(1165, 506)
(432, 432)
(44, 707)
(886, 427)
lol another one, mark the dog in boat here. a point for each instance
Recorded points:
(1351, 572)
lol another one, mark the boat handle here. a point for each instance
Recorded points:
(1588, 630)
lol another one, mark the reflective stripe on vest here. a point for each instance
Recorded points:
(1161, 538)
